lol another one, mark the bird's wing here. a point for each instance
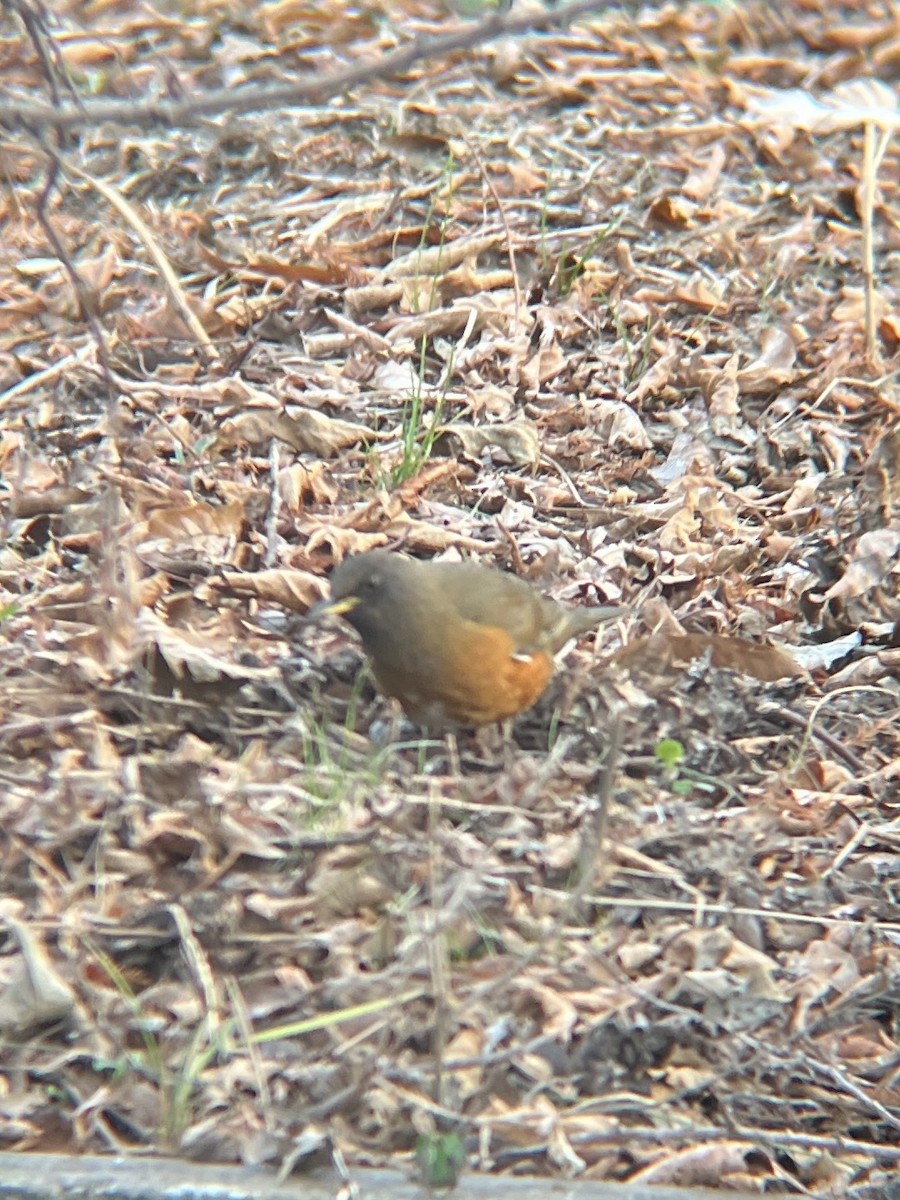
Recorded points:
(490, 597)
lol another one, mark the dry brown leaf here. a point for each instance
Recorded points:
(99, 272)
(257, 427)
(326, 274)
(824, 970)
(700, 949)
(294, 590)
(342, 542)
(852, 103)
(543, 366)
(719, 515)
(756, 970)
(875, 560)
(889, 328)
(701, 182)
(32, 474)
(305, 430)
(864, 35)
(191, 537)
(865, 672)
(33, 993)
(766, 663)
(344, 882)
(48, 500)
(637, 956)
(303, 482)
(174, 837)
(411, 490)
(525, 178)
(721, 388)
(672, 210)
(399, 378)
(423, 263)
(420, 296)
(619, 424)
(773, 367)
(680, 532)
(424, 537)
(248, 834)
(195, 520)
(699, 293)
(658, 376)
(468, 1044)
(852, 307)
(87, 53)
(518, 439)
(239, 311)
(325, 436)
(191, 655)
(360, 300)
(553, 1010)
(882, 472)
(444, 321)
(561, 1153)
(706, 1166)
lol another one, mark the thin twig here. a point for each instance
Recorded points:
(274, 506)
(177, 294)
(501, 212)
(85, 304)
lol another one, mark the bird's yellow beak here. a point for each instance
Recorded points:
(332, 608)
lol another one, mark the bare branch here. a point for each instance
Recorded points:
(177, 113)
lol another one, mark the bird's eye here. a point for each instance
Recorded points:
(373, 583)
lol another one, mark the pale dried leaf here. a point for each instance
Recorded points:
(33, 992)
(875, 558)
(294, 590)
(190, 655)
(519, 440)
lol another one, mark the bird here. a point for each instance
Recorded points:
(459, 644)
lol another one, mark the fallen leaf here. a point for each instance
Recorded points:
(665, 651)
(33, 993)
(518, 439)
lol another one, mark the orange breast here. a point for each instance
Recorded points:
(477, 677)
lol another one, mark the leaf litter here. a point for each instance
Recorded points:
(592, 305)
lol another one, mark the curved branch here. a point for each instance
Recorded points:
(177, 113)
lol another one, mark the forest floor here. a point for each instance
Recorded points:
(611, 306)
